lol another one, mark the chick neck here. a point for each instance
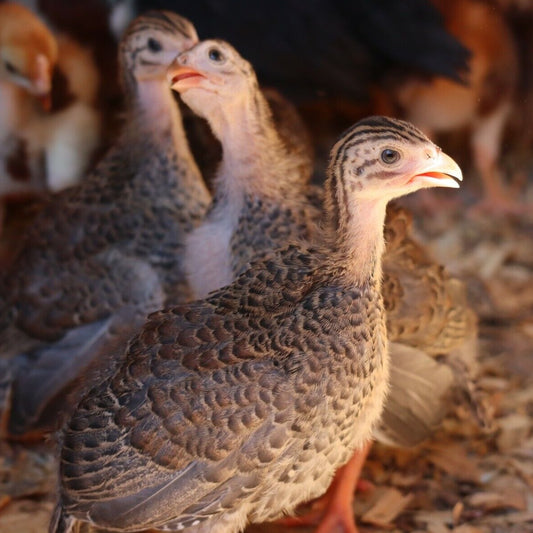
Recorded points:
(154, 116)
(255, 161)
(151, 108)
(354, 230)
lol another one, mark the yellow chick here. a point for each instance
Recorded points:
(49, 127)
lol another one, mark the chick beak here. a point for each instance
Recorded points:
(42, 82)
(177, 74)
(440, 171)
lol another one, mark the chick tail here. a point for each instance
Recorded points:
(418, 397)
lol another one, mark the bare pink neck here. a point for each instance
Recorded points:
(355, 231)
(255, 159)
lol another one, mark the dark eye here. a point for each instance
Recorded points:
(154, 46)
(10, 67)
(390, 156)
(215, 55)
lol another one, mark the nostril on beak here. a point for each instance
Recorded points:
(183, 59)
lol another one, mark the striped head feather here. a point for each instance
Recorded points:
(151, 42)
(381, 158)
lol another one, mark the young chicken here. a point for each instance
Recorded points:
(483, 103)
(104, 253)
(260, 199)
(49, 127)
(67, 136)
(236, 408)
(28, 55)
(263, 200)
(334, 48)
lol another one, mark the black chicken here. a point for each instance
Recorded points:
(333, 48)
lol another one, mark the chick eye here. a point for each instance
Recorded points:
(10, 67)
(215, 55)
(154, 46)
(390, 156)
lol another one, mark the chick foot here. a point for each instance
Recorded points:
(333, 512)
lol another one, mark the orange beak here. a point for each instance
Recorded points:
(42, 82)
(176, 76)
(443, 171)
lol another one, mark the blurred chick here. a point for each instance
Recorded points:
(70, 132)
(483, 103)
(28, 53)
(101, 255)
(49, 127)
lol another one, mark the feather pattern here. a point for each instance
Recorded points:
(209, 420)
(109, 250)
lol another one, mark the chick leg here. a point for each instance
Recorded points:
(338, 515)
(486, 148)
(333, 512)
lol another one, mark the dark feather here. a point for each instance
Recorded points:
(337, 48)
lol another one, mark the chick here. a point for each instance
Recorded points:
(70, 132)
(28, 55)
(102, 254)
(235, 408)
(49, 127)
(263, 200)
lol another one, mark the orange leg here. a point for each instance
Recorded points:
(498, 198)
(333, 512)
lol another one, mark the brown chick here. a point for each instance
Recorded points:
(433, 334)
(235, 408)
(101, 255)
(70, 132)
(263, 201)
(28, 49)
(483, 103)
(426, 307)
